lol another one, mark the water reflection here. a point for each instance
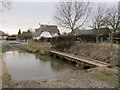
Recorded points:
(56, 64)
(26, 66)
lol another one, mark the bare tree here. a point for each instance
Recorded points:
(72, 15)
(114, 17)
(99, 20)
(5, 4)
(113, 21)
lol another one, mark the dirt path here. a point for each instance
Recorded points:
(72, 79)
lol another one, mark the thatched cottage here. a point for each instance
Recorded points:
(52, 29)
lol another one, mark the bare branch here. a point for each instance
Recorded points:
(100, 19)
(114, 17)
(5, 4)
(72, 15)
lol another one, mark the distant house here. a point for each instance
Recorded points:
(90, 34)
(101, 31)
(3, 35)
(52, 29)
(12, 37)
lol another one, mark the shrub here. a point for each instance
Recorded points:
(62, 43)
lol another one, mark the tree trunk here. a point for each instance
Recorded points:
(96, 38)
(96, 35)
(111, 41)
(73, 31)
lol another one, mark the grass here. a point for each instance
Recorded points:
(5, 48)
(108, 75)
(5, 75)
(101, 52)
(42, 47)
(5, 80)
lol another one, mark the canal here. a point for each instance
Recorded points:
(26, 66)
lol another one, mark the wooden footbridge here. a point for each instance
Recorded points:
(81, 59)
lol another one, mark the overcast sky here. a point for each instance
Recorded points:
(26, 14)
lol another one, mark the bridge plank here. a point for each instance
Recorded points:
(82, 59)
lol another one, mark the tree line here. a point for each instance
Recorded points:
(74, 15)
(25, 34)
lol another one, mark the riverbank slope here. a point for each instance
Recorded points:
(5, 76)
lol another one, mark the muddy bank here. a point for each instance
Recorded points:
(72, 79)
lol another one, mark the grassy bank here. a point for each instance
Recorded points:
(109, 75)
(6, 48)
(101, 52)
(5, 75)
(35, 47)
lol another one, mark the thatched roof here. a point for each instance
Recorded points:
(52, 29)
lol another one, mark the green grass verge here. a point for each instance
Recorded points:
(5, 80)
(35, 47)
(107, 75)
(5, 75)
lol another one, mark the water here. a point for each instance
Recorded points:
(26, 66)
